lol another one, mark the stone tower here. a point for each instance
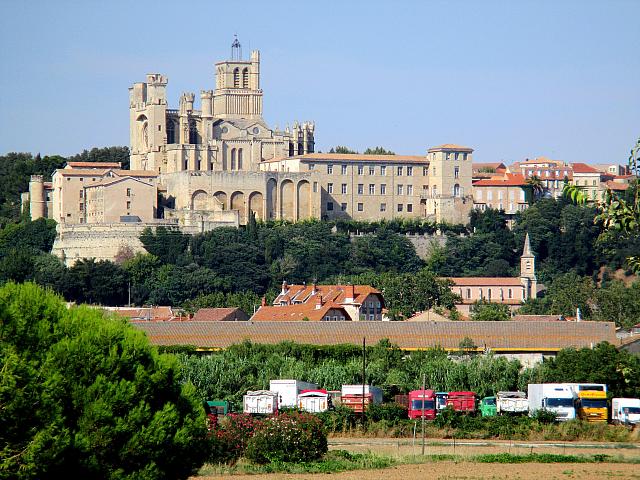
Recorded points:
(528, 270)
(238, 93)
(36, 197)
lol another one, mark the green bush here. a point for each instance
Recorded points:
(391, 412)
(289, 437)
(341, 419)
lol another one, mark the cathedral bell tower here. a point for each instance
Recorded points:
(238, 93)
(528, 270)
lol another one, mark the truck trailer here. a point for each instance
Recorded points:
(512, 403)
(556, 398)
(314, 400)
(288, 391)
(462, 401)
(260, 402)
(625, 411)
(422, 402)
(352, 396)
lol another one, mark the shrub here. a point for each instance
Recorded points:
(289, 437)
(229, 438)
(341, 419)
(389, 411)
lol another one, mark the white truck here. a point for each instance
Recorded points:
(553, 397)
(288, 391)
(511, 403)
(263, 402)
(314, 401)
(625, 411)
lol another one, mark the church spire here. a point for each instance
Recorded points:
(526, 251)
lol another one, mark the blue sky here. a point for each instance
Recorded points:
(512, 79)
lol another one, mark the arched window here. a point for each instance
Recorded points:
(291, 150)
(194, 138)
(233, 159)
(245, 78)
(456, 190)
(239, 159)
(171, 132)
(300, 149)
(236, 78)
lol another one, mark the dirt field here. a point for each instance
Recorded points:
(459, 470)
(471, 471)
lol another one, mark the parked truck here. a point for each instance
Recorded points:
(260, 402)
(512, 403)
(590, 400)
(352, 396)
(288, 391)
(487, 407)
(422, 402)
(314, 400)
(462, 401)
(556, 398)
(625, 411)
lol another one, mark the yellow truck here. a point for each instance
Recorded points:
(591, 405)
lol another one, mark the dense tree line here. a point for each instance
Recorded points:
(17, 168)
(228, 374)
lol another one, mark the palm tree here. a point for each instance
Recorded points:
(535, 183)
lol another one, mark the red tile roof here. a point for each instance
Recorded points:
(617, 186)
(220, 315)
(288, 313)
(482, 281)
(508, 180)
(94, 164)
(507, 336)
(333, 293)
(584, 168)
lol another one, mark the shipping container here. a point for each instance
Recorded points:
(288, 391)
(462, 401)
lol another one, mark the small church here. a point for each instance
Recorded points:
(511, 291)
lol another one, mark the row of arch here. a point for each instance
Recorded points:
(241, 81)
(286, 201)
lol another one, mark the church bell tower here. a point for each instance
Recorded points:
(238, 93)
(528, 270)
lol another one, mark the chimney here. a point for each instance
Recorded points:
(263, 302)
(349, 293)
(314, 289)
(578, 315)
(285, 287)
(319, 302)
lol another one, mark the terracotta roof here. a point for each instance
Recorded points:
(481, 281)
(508, 180)
(298, 312)
(333, 293)
(409, 335)
(94, 165)
(452, 147)
(584, 168)
(613, 185)
(144, 313)
(345, 157)
(494, 165)
(220, 314)
(96, 172)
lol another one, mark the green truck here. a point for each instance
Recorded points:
(488, 407)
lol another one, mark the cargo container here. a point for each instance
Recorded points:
(556, 398)
(218, 407)
(462, 401)
(402, 400)
(314, 401)
(288, 391)
(352, 396)
(511, 403)
(487, 407)
(590, 401)
(262, 402)
(422, 402)
(625, 411)
(441, 400)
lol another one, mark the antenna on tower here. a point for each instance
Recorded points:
(236, 49)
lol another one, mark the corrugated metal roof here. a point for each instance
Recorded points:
(508, 335)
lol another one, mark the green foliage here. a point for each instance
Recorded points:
(246, 301)
(378, 151)
(87, 397)
(106, 154)
(490, 312)
(342, 150)
(288, 437)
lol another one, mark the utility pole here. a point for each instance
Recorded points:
(364, 374)
(424, 381)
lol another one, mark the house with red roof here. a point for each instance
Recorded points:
(508, 191)
(324, 303)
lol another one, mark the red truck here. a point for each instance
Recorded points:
(419, 399)
(462, 401)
